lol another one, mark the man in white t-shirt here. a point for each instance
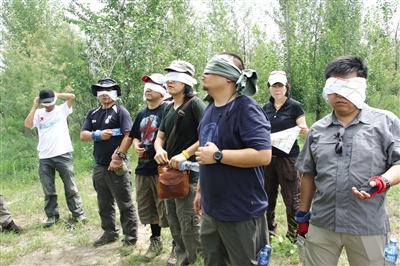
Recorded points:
(55, 153)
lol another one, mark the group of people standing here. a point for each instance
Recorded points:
(229, 213)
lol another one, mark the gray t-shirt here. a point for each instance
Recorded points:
(371, 147)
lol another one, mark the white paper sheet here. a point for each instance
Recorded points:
(285, 139)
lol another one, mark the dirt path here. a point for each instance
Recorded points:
(60, 250)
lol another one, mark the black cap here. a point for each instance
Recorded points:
(105, 83)
(46, 95)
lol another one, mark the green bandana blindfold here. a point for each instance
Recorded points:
(246, 80)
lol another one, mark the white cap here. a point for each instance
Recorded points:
(156, 78)
(277, 77)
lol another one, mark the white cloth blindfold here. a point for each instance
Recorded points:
(352, 89)
(112, 94)
(181, 77)
(52, 103)
(153, 87)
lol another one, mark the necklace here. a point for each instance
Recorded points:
(278, 106)
(213, 127)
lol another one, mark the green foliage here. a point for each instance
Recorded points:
(283, 250)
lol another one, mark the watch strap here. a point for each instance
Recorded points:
(121, 154)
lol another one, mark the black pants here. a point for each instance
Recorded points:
(281, 171)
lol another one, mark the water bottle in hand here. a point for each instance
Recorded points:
(189, 165)
(391, 251)
(264, 255)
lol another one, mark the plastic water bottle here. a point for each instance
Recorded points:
(391, 251)
(116, 131)
(189, 165)
(264, 256)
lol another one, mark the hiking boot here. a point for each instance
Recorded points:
(129, 242)
(81, 218)
(155, 248)
(104, 241)
(51, 221)
(12, 227)
(172, 257)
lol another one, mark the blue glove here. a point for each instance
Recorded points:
(302, 219)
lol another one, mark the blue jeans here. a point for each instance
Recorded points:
(63, 164)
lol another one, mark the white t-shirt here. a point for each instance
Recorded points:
(53, 131)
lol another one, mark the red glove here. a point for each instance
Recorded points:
(303, 229)
(302, 218)
(379, 188)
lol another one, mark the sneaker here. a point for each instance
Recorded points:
(104, 241)
(12, 227)
(155, 248)
(51, 221)
(172, 257)
(129, 242)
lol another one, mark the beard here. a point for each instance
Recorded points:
(205, 88)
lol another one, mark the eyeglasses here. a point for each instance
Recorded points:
(278, 72)
(339, 145)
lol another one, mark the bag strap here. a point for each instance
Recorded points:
(181, 113)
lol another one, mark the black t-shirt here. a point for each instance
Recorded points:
(110, 118)
(283, 119)
(186, 130)
(145, 128)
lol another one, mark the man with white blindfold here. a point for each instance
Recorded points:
(55, 153)
(183, 221)
(107, 126)
(350, 159)
(151, 209)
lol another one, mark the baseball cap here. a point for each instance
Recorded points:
(106, 83)
(46, 95)
(156, 78)
(277, 77)
(181, 66)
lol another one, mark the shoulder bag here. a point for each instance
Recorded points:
(173, 183)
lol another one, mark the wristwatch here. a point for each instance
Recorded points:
(218, 156)
(121, 154)
(387, 183)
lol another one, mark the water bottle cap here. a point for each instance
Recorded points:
(393, 241)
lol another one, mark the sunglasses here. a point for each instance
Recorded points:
(339, 145)
(278, 72)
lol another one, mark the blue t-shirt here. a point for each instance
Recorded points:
(110, 118)
(145, 128)
(231, 193)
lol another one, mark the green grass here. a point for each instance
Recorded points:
(61, 245)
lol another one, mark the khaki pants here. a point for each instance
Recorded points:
(151, 209)
(232, 243)
(184, 224)
(5, 216)
(323, 247)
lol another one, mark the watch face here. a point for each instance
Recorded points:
(218, 155)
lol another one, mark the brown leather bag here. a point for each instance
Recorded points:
(172, 183)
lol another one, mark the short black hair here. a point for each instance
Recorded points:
(235, 59)
(347, 64)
